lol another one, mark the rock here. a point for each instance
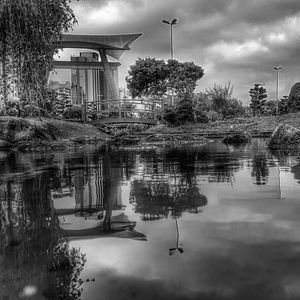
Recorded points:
(284, 136)
(237, 138)
(4, 145)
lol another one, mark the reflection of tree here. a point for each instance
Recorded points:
(64, 268)
(260, 169)
(29, 241)
(296, 171)
(155, 200)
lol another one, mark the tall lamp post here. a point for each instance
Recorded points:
(171, 23)
(277, 69)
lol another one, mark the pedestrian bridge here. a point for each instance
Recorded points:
(123, 111)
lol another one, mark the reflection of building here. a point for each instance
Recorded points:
(91, 204)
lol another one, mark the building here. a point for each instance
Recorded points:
(94, 79)
(91, 84)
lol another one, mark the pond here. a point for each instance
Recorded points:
(165, 222)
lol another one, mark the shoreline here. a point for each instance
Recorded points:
(32, 135)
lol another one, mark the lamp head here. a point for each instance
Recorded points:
(174, 21)
(166, 22)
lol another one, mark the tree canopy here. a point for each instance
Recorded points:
(258, 95)
(30, 31)
(152, 77)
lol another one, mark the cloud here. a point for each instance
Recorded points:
(236, 40)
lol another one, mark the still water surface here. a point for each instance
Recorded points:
(189, 222)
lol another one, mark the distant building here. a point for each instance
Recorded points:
(63, 90)
(90, 84)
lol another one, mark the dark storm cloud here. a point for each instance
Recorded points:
(237, 40)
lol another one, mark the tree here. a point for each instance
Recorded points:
(182, 77)
(152, 77)
(259, 97)
(30, 31)
(147, 77)
(283, 107)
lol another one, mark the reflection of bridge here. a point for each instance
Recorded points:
(143, 111)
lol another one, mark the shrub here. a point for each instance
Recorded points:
(170, 114)
(73, 112)
(213, 116)
(201, 117)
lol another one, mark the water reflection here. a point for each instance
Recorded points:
(73, 223)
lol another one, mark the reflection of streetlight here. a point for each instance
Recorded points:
(171, 23)
(277, 83)
(179, 249)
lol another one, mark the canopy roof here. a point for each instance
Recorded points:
(114, 45)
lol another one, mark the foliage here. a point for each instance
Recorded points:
(30, 31)
(221, 101)
(184, 111)
(293, 103)
(213, 116)
(271, 108)
(64, 269)
(283, 107)
(147, 77)
(170, 114)
(73, 112)
(202, 102)
(259, 97)
(152, 77)
(182, 77)
(219, 96)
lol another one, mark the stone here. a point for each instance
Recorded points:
(284, 136)
(4, 145)
(237, 138)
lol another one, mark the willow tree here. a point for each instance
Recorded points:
(30, 32)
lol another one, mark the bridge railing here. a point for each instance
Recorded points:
(126, 110)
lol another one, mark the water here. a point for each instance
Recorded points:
(197, 222)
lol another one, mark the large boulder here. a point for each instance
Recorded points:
(284, 136)
(237, 138)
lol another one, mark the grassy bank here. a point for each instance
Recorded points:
(33, 134)
(253, 125)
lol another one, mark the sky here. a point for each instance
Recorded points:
(233, 40)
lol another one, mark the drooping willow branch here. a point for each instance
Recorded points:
(30, 31)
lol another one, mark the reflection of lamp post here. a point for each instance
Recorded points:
(179, 249)
(171, 23)
(277, 69)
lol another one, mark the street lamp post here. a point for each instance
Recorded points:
(171, 23)
(277, 69)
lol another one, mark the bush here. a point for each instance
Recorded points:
(201, 117)
(73, 112)
(213, 116)
(170, 114)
